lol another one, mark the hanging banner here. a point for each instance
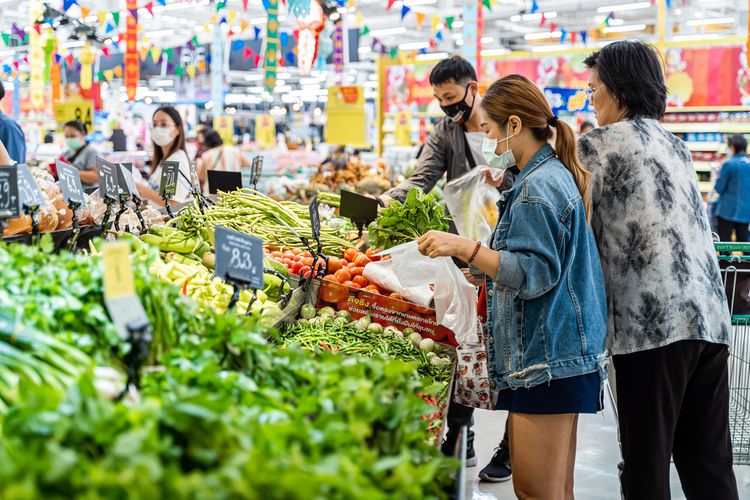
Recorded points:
(217, 71)
(78, 110)
(224, 125)
(36, 59)
(265, 131)
(54, 79)
(86, 58)
(338, 49)
(310, 27)
(564, 100)
(403, 129)
(132, 63)
(469, 50)
(272, 44)
(346, 123)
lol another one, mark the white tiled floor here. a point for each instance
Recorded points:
(596, 464)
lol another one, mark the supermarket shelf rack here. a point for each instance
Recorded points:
(736, 276)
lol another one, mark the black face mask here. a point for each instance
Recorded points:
(459, 112)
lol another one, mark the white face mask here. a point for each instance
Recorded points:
(489, 151)
(162, 136)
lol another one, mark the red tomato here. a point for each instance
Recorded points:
(287, 262)
(296, 251)
(296, 267)
(343, 275)
(307, 255)
(362, 260)
(350, 254)
(357, 271)
(305, 271)
(277, 255)
(288, 254)
(344, 262)
(334, 264)
(352, 284)
(361, 281)
(331, 291)
(331, 278)
(307, 261)
(372, 253)
(372, 289)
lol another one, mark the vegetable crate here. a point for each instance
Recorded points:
(386, 311)
(735, 271)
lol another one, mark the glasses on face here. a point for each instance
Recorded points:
(590, 91)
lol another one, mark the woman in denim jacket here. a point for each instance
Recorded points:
(548, 309)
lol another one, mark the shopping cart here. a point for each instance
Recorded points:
(735, 272)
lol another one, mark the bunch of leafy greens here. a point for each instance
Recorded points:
(404, 222)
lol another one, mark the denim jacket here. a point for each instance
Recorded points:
(547, 310)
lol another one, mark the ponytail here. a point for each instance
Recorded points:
(565, 146)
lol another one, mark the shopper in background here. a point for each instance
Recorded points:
(454, 147)
(586, 127)
(732, 210)
(218, 156)
(11, 135)
(547, 308)
(80, 153)
(4, 156)
(168, 137)
(669, 323)
(200, 137)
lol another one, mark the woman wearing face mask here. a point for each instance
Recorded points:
(81, 154)
(547, 309)
(168, 136)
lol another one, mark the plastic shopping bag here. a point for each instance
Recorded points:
(473, 204)
(382, 274)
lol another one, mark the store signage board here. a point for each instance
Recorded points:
(70, 184)
(315, 218)
(239, 258)
(29, 193)
(223, 181)
(265, 131)
(79, 110)
(119, 287)
(9, 205)
(360, 209)
(347, 119)
(108, 179)
(566, 100)
(194, 180)
(168, 183)
(126, 180)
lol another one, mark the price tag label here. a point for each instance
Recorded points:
(9, 204)
(70, 184)
(126, 180)
(29, 193)
(168, 184)
(360, 209)
(256, 170)
(118, 273)
(315, 218)
(108, 183)
(239, 258)
(247, 177)
(194, 181)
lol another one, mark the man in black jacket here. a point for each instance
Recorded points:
(453, 148)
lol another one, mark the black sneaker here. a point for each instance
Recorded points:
(498, 470)
(449, 449)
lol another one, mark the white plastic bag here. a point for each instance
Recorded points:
(382, 274)
(473, 203)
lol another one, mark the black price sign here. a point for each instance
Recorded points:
(126, 180)
(239, 258)
(360, 209)
(108, 183)
(168, 184)
(256, 170)
(70, 184)
(315, 218)
(29, 193)
(8, 192)
(195, 183)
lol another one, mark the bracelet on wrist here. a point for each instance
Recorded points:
(476, 251)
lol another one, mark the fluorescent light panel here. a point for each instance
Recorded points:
(494, 52)
(621, 29)
(533, 17)
(413, 45)
(692, 38)
(705, 22)
(543, 36)
(550, 48)
(436, 56)
(388, 31)
(623, 7)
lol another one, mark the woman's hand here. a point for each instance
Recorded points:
(494, 177)
(439, 244)
(471, 279)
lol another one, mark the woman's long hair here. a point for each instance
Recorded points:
(179, 141)
(517, 95)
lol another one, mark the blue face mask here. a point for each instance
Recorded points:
(494, 160)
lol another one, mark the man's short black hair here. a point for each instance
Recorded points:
(75, 124)
(2, 91)
(586, 125)
(738, 143)
(631, 70)
(455, 68)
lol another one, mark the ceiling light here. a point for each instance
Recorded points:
(372, 85)
(413, 45)
(620, 29)
(73, 44)
(717, 20)
(7, 53)
(256, 21)
(159, 33)
(309, 81)
(533, 17)
(460, 42)
(623, 6)
(335, 16)
(373, 77)
(435, 56)
(487, 39)
(284, 76)
(388, 31)
(494, 52)
(281, 83)
(184, 5)
(163, 83)
(543, 35)
(253, 77)
(693, 38)
(458, 24)
(550, 48)
(364, 50)
(417, 3)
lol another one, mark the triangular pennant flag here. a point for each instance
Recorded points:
(38, 28)
(134, 14)
(191, 71)
(487, 3)
(244, 3)
(223, 20)
(16, 64)
(70, 60)
(178, 70)
(100, 76)
(150, 8)
(170, 67)
(284, 38)
(439, 36)
(420, 17)
(102, 16)
(552, 27)
(6, 38)
(606, 21)
(542, 20)
(230, 33)
(105, 51)
(290, 59)
(404, 10)
(244, 24)
(109, 74)
(449, 22)
(214, 19)
(390, 4)
(163, 3)
(68, 4)
(58, 58)
(257, 32)
(422, 51)
(109, 28)
(144, 52)
(573, 37)
(256, 60)
(359, 19)
(584, 36)
(116, 45)
(365, 30)
(563, 35)
(155, 54)
(85, 11)
(116, 18)
(393, 52)
(534, 7)
(237, 45)
(247, 53)
(168, 53)
(433, 44)
(195, 40)
(232, 16)
(118, 71)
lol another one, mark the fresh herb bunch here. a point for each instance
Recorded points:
(403, 222)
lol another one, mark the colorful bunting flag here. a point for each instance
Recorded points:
(109, 74)
(449, 22)
(150, 8)
(38, 28)
(439, 36)
(584, 36)
(191, 71)
(257, 32)
(488, 4)
(393, 52)
(573, 37)
(390, 4)
(420, 17)
(145, 51)
(155, 54)
(237, 45)
(552, 27)
(168, 53)
(563, 35)
(116, 18)
(365, 30)
(6, 38)
(68, 4)
(85, 11)
(244, 3)
(109, 28)
(102, 16)
(244, 24)
(178, 70)
(542, 20)
(272, 45)
(247, 53)
(105, 51)
(118, 71)
(405, 9)
(534, 7)
(232, 16)
(163, 3)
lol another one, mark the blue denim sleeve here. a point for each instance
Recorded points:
(723, 181)
(531, 265)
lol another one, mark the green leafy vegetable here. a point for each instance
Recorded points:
(403, 222)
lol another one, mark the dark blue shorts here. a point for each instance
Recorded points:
(581, 394)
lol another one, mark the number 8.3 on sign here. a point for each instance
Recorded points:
(239, 258)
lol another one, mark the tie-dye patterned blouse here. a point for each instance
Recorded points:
(660, 268)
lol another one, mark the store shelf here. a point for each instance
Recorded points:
(724, 127)
(705, 187)
(704, 146)
(703, 166)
